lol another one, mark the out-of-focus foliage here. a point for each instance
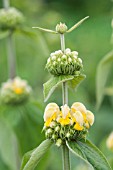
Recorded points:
(91, 40)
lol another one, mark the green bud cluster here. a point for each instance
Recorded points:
(67, 63)
(60, 134)
(61, 28)
(10, 18)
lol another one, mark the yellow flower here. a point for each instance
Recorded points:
(77, 106)
(90, 117)
(64, 117)
(18, 90)
(109, 141)
(78, 119)
(51, 113)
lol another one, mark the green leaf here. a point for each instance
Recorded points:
(4, 34)
(77, 24)
(53, 83)
(103, 71)
(89, 153)
(32, 158)
(8, 145)
(76, 81)
(46, 30)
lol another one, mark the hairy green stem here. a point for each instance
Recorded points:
(11, 56)
(65, 150)
(10, 50)
(62, 39)
(65, 157)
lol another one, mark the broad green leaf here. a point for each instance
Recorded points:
(89, 153)
(8, 146)
(77, 24)
(53, 83)
(32, 158)
(76, 81)
(46, 30)
(103, 71)
(4, 34)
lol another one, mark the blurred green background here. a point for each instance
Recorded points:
(91, 40)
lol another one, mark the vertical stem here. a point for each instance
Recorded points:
(11, 57)
(65, 150)
(10, 50)
(62, 39)
(65, 156)
(65, 93)
(6, 3)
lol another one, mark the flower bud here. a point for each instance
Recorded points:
(59, 142)
(64, 63)
(57, 128)
(68, 135)
(61, 28)
(54, 136)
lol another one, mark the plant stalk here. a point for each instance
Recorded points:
(65, 150)
(10, 50)
(6, 3)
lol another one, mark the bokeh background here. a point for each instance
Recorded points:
(22, 131)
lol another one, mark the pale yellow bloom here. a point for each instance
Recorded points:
(109, 141)
(78, 119)
(51, 113)
(90, 117)
(77, 106)
(64, 117)
(65, 110)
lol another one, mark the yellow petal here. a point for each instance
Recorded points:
(78, 127)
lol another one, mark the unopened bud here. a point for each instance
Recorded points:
(61, 28)
(59, 142)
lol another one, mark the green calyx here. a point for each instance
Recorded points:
(10, 18)
(60, 134)
(67, 63)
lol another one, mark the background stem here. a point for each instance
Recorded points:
(6, 3)
(65, 150)
(10, 49)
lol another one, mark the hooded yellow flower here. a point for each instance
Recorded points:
(51, 113)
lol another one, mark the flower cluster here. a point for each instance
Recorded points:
(109, 141)
(67, 123)
(67, 63)
(10, 18)
(15, 91)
